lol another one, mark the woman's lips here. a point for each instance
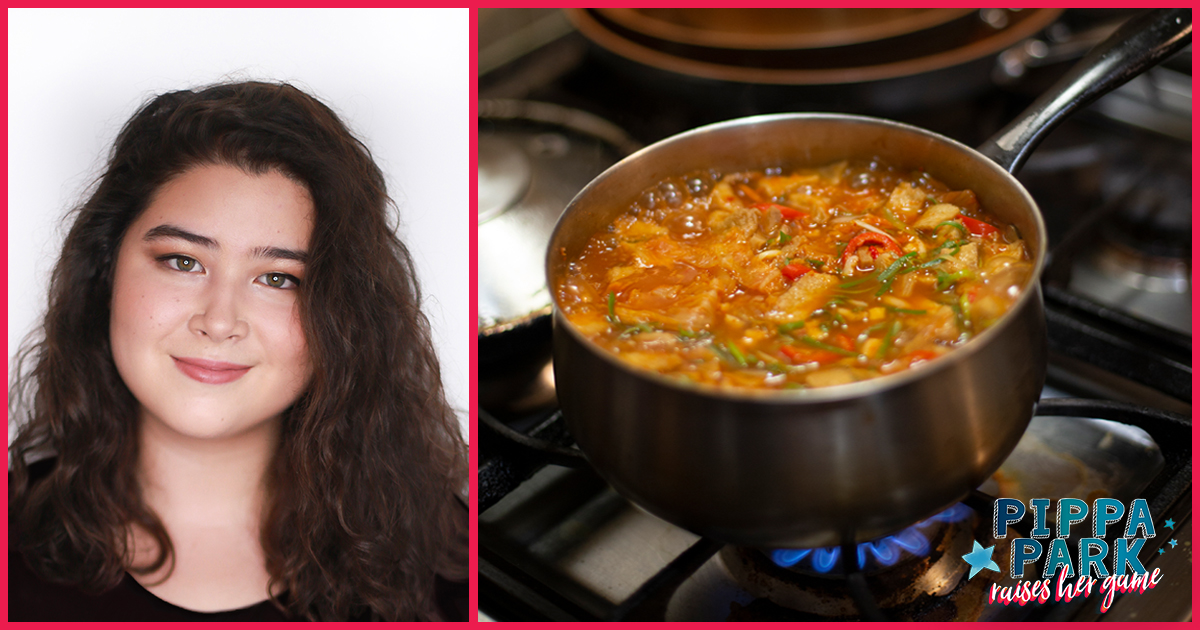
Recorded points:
(211, 372)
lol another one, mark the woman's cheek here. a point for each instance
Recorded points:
(146, 308)
(283, 332)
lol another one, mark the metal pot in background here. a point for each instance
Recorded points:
(777, 29)
(850, 463)
(533, 157)
(854, 60)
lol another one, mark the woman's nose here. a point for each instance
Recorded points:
(220, 315)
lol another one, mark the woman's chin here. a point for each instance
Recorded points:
(207, 426)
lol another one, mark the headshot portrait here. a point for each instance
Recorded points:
(238, 297)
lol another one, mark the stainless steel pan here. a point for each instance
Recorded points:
(818, 467)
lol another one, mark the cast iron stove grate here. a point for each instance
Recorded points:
(508, 590)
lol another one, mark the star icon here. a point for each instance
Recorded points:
(1170, 523)
(1173, 543)
(1162, 550)
(980, 558)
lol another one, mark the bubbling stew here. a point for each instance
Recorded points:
(809, 278)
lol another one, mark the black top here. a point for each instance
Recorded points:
(30, 598)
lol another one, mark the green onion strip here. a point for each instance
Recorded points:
(828, 348)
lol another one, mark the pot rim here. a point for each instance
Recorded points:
(835, 393)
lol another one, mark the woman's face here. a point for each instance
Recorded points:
(205, 323)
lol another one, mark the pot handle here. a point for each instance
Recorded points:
(1140, 44)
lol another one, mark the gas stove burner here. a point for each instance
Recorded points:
(1154, 219)
(1135, 269)
(876, 555)
(898, 578)
(1138, 259)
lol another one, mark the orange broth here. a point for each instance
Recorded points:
(812, 278)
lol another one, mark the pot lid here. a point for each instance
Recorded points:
(533, 159)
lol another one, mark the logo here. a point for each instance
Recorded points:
(1090, 566)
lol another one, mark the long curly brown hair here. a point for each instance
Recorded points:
(364, 489)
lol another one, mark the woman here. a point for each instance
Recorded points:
(234, 410)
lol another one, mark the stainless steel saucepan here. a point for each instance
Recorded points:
(804, 468)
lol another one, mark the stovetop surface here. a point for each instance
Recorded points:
(566, 529)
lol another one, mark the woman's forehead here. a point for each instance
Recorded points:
(234, 208)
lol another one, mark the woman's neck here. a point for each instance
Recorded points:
(184, 479)
(210, 495)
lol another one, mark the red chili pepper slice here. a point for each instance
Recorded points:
(808, 355)
(868, 237)
(788, 213)
(794, 270)
(978, 228)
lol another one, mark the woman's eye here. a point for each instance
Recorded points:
(278, 280)
(182, 263)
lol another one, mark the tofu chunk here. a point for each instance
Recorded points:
(805, 295)
(935, 215)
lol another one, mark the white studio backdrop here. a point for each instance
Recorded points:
(399, 78)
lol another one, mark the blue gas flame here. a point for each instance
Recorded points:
(885, 551)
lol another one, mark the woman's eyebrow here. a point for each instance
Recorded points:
(280, 252)
(172, 231)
